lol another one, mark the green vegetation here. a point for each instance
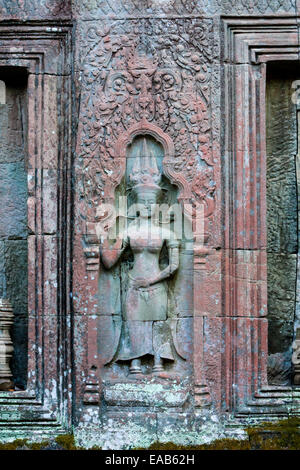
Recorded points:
(66, 441)
(14, 445)
(280, 435)
(221, 444)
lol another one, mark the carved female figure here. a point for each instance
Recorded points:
(145, 327)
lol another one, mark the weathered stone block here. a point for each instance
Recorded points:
(13, 194)
(15, 255)
(189, 76)
(20, 342)
(146, 393)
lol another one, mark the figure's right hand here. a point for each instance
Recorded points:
(110, 253)
(105, 245)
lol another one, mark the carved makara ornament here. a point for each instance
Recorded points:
(6, 345)
(296, 358)
(146, 327)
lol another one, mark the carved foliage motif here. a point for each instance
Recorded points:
(136, 7)
(35, 8)
(143, 74)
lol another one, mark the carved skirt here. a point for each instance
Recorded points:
(146, 303)
(146, 330)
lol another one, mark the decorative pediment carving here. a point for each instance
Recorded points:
(134, 85)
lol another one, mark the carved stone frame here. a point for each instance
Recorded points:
(45, 406)
(249, 43)
(93, 382)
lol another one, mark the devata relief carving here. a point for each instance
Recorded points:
(148, 220)
(146, 323)
(145, 137)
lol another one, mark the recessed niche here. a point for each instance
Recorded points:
(282, 218)
(13, 210)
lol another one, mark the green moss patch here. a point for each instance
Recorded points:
(282, 435)
(220, 444)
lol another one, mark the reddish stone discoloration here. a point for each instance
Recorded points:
(6, 345)
(46, 131)
(138, 94)
(173, 72)
(31, 9)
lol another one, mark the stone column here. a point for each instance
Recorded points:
(6, 345)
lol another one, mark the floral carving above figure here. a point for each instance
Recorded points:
(136, 73)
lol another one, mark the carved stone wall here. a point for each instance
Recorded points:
(190, 78)
(152, 70)
(35, 208)
(281, 216)
(100, 8)
(32, 9)
(13, 212)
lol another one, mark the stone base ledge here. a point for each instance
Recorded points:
(156, 393)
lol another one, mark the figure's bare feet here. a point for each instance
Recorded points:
(157, 368)
(135, 371)
(135, 368)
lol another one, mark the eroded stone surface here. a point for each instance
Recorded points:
(13, 214)
(147, 393)
(100, 8)
(151, 68)
(282, 222)
(35, 9)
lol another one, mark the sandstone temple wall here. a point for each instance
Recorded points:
(127, 340)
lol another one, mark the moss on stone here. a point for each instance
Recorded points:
(38, 445)
(66, 441)
(220, 444)
(280, 435)
(14, 445)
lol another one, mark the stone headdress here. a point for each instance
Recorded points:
(145, 174)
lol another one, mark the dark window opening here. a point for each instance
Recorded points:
(13, 210)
